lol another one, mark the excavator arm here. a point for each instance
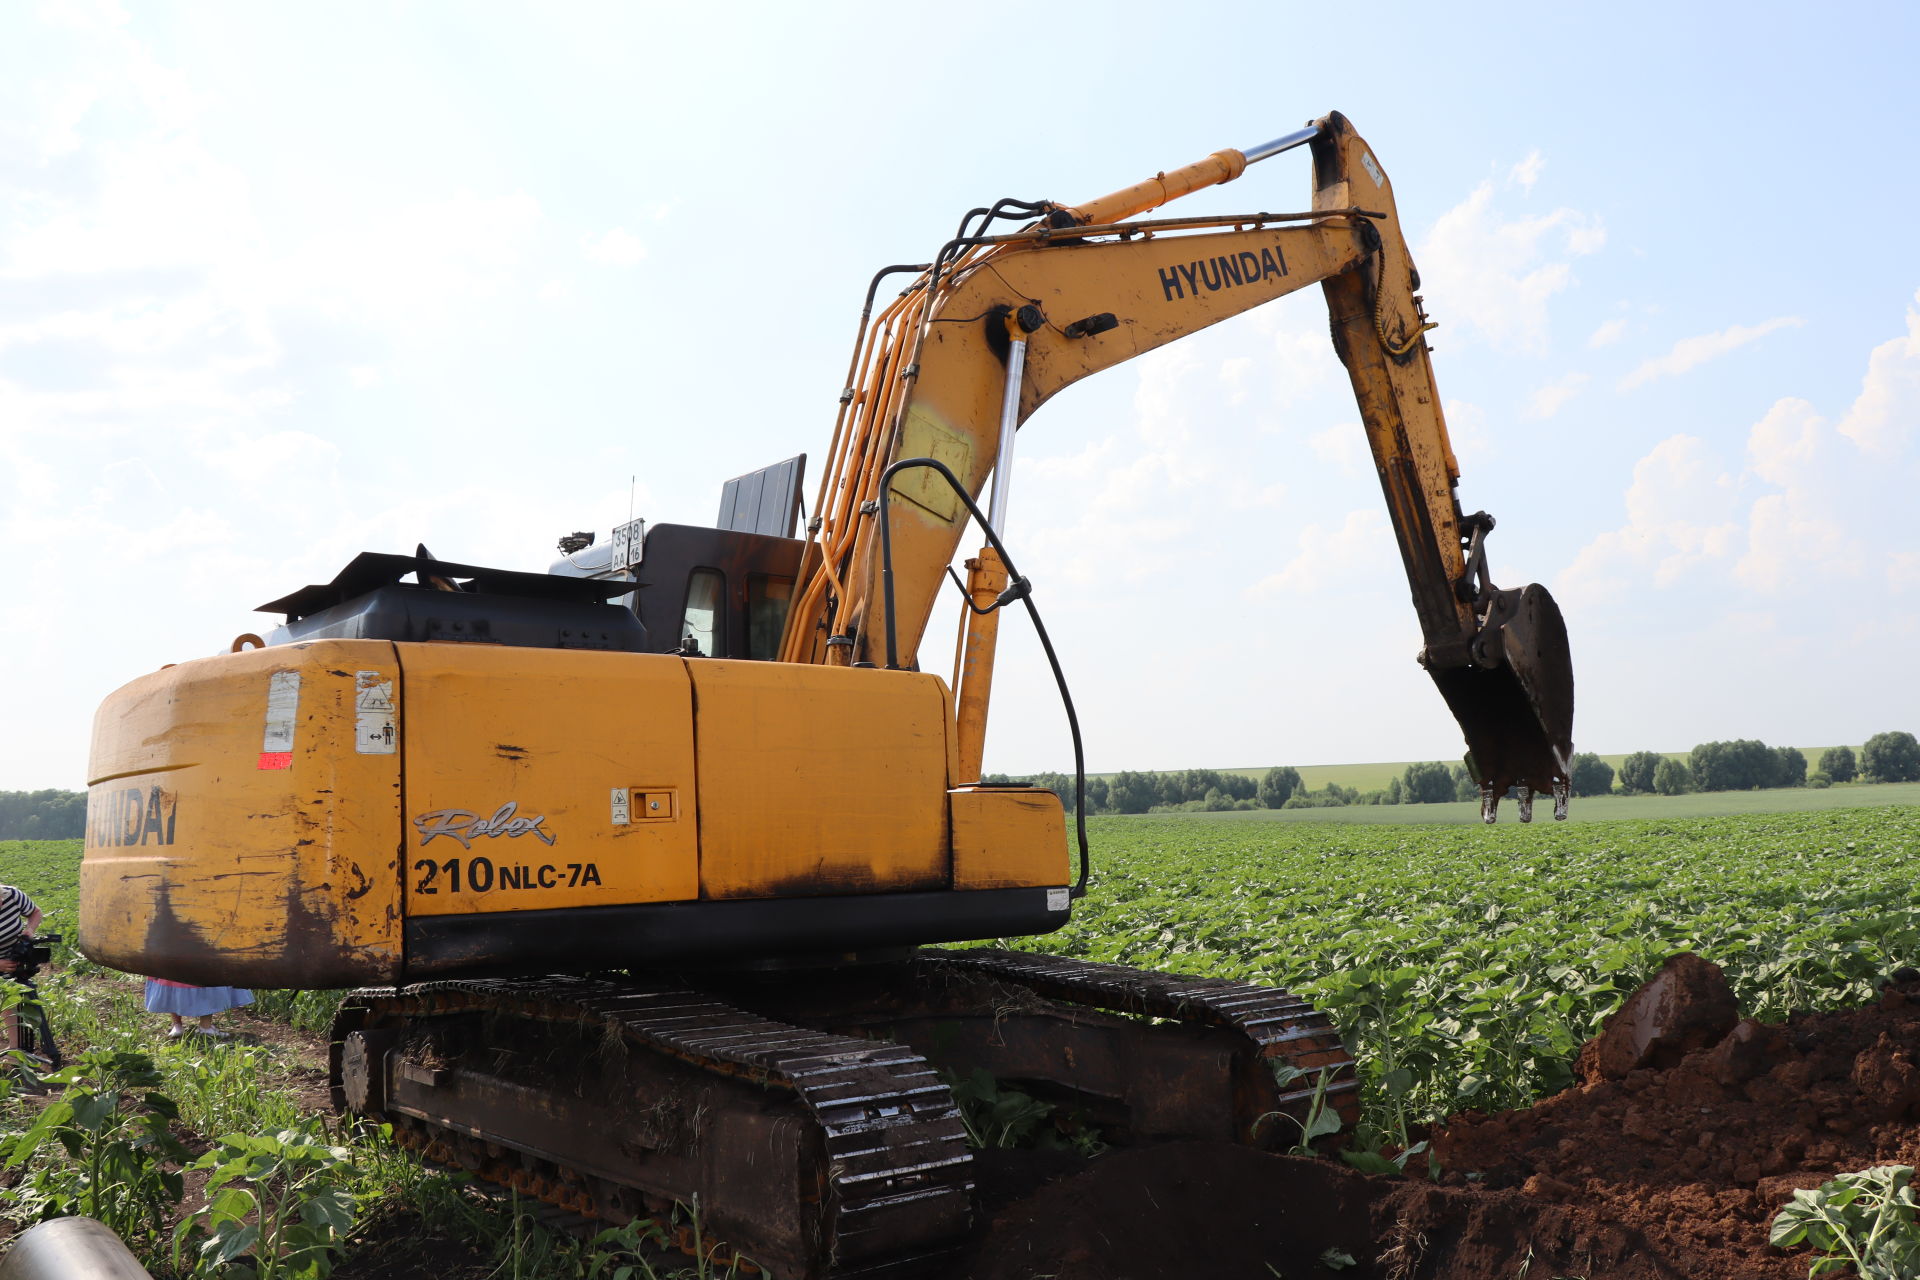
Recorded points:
(998, 324)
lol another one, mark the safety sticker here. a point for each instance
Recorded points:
(1056, 899)
(283, 713)
(622, 812)
(375, 719)
(1373, 169)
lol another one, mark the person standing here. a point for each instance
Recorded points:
(19, 918)
(182, 1000)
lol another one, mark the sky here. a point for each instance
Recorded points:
(283, 283)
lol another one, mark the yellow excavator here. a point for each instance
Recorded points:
(641, 865)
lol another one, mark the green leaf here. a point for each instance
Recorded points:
(230, 1241)
(1370, 1162)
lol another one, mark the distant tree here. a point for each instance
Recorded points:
(1891, 757)
(1792, 768)
(1741, 765)
(1818, 780)
(1636, 772)
(1240, 786)
(43, 815)
(1277, 785)
(1838, 763)
(1672, 778)
(1395, 792)
(1428, 782)
(1132, 792)
(1464, 787)
(1096, 795)
(1592, 776)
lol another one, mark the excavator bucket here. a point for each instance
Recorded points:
(1515, 701)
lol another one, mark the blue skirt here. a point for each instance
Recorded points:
(194, 1002)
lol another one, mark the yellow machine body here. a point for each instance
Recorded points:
(361, 811)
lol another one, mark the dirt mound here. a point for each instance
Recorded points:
(1702, 1154)
(1688, 1132)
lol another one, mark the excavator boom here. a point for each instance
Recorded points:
(998, 324)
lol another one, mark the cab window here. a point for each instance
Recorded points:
(767, 601)
(702, 632)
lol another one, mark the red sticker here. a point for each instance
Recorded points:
(276, 759)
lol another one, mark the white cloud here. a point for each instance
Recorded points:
(1494, 276)
(1234, 373)
(1608, 333)
(1343, 446)
(1803, 532)
(1299, 360)
(275, 462)
(161, 202)
(617, 248)
(1527, 172)
(1887, 410)
(1903, 571)
(1792, 542)
(1467, 431)
(1548, 400)
(1797, 513)
(1690, 353)
(1361, 549)
(1681, 513)
(414, 261)
(1783, 443)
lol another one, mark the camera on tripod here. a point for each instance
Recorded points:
(29, 954)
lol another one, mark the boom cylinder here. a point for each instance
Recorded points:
(1221, 166)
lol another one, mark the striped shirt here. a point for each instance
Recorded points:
(15, 907)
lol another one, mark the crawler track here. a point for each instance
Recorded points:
(797, 1110)
(1275, 1024)
(810, 1153)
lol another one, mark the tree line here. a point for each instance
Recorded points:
(43, 815)
(1740, 765)
(1748, 765)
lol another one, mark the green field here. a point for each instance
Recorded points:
(1466, 964)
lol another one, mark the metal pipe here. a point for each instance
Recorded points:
(1009, 424)
(70, 1249)
(1285, 142)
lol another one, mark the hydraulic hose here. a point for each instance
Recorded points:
(1018, 588)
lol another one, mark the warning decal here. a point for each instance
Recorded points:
(283, 712)
(376, 725)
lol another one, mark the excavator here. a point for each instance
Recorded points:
(642, 868)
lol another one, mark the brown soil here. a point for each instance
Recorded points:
(1688, 1132)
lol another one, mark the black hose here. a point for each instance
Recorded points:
(1017, 588)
